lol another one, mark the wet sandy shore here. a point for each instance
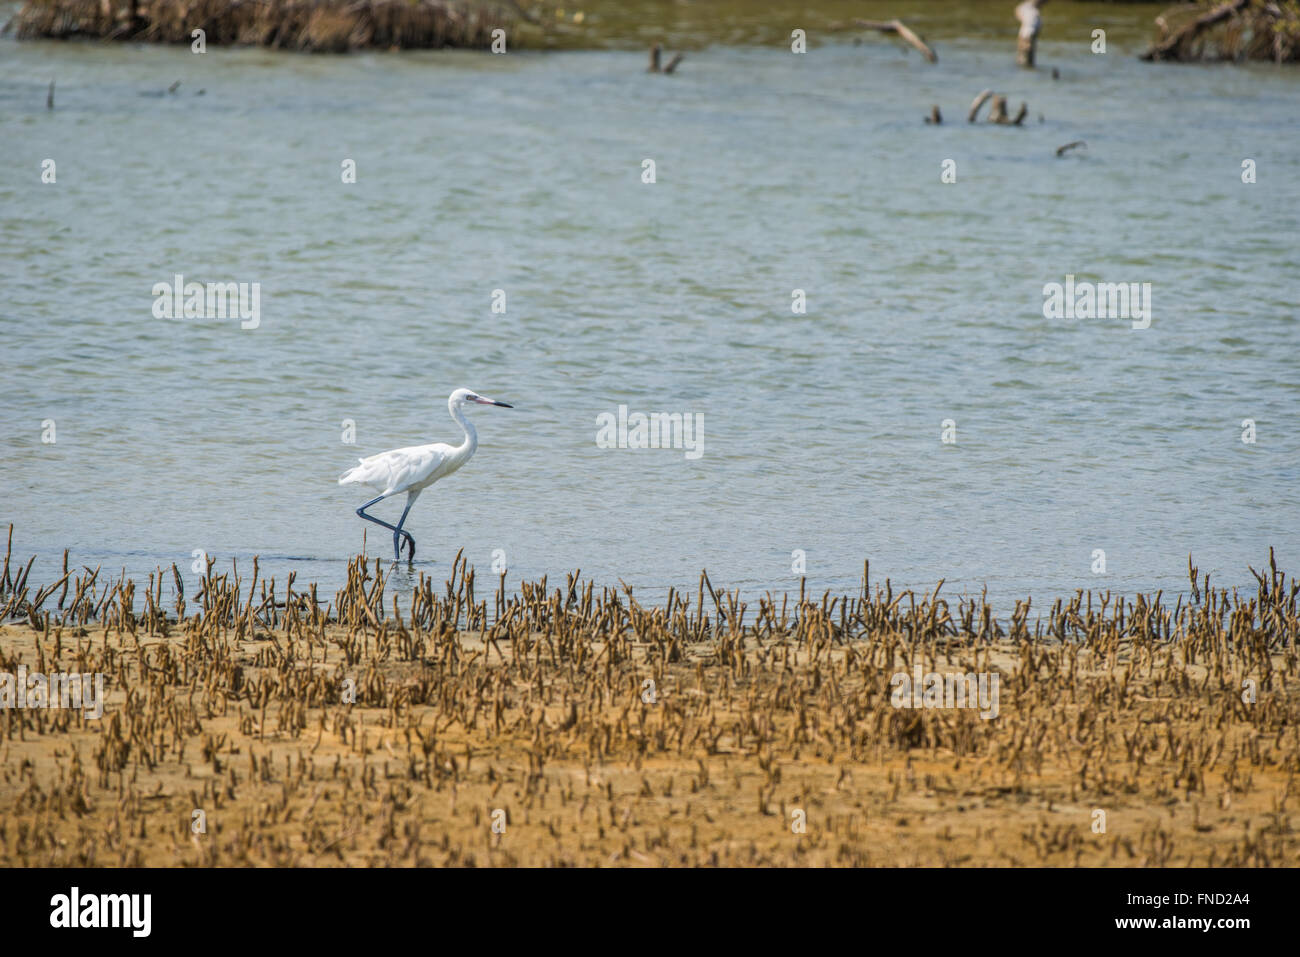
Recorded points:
(572, 726)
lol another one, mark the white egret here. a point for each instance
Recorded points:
(416, 467)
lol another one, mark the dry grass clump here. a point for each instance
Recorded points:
(571, 725)
(330, 26)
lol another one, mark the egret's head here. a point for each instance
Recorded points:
(461, 396)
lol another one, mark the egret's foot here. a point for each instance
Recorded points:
(400, 538)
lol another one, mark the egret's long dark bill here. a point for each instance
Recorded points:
(504, 405)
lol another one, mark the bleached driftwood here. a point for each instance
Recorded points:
(997, 111)
(901, 30)
(1031, 24)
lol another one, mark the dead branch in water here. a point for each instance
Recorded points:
(979, 101)
(1031, 24)
(997, 111)
(900, 29)
(655, 52)
(1194, 29)
(1238, 30)
(1062, 150)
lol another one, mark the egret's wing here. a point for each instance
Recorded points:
(415, 465)
(396, 469)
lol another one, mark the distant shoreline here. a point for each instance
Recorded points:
(1238, 30)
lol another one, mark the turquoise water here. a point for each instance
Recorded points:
(775, 172)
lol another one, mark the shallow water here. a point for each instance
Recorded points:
(775, 172)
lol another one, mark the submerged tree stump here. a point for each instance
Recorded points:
(998, 112)
(1031, 23)
(997, 109)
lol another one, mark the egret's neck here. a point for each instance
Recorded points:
(466, 448)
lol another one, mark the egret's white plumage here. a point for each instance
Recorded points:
(414, 468)
(400, 470)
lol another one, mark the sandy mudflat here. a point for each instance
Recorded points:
(544, 725)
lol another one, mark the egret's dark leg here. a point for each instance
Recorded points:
(393, 528)
(410, 541)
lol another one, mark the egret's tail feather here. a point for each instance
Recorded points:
(350, 476)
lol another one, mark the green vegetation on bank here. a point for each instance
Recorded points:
(1233, 30)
